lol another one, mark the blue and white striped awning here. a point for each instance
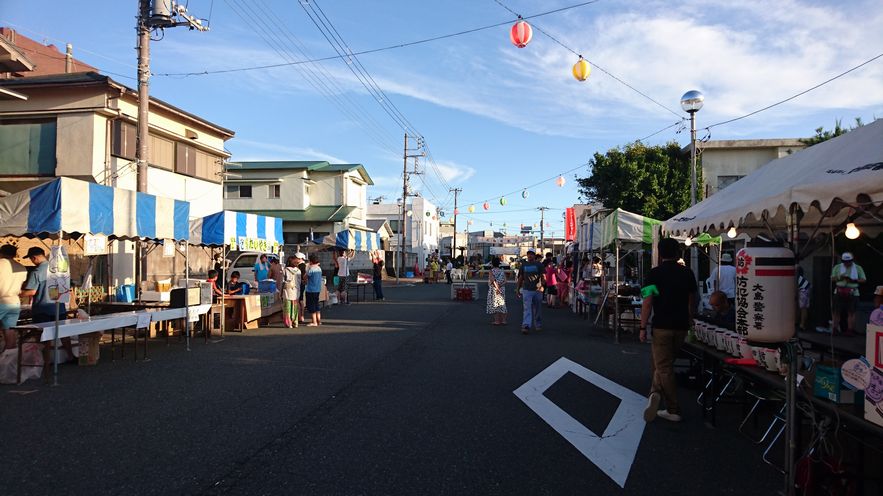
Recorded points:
(354, 239)
(74, 206)
(241, 231)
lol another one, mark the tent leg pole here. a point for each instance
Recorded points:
(187, 323)
(616, 296)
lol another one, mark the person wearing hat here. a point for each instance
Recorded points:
(530, 288)
(877, 314)
(12, 277)
(36, 286)
(724, 278)
(846, 277)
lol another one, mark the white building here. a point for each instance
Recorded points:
(421, 230)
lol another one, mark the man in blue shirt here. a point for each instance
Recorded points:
(261, 269)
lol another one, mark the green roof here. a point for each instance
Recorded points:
(321, 166)
(323, 213)
(278, 164)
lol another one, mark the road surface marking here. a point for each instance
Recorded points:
(613, 451)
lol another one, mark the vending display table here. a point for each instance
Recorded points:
(244, 311)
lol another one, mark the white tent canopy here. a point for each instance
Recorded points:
(820, 181)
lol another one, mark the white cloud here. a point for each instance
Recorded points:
(259, 150)
(453, 172)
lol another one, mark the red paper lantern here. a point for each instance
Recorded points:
(456, 211)
(521, 34)
(486, 205)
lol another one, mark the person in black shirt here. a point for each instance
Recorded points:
(234, 287)
(670, 292)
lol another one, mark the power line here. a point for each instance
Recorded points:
(532, 185)
(792, 97)
(605, 71)
(380, 49)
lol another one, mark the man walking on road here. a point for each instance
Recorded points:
(671, 295)
(530, 288)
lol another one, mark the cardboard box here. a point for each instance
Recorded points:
(874, 391)
(89, 348)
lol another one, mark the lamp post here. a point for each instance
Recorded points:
(691, 102)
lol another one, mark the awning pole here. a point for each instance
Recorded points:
(187, 294)
(55, 337)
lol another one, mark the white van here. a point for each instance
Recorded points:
(243, 262)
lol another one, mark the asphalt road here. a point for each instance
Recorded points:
(409, 396)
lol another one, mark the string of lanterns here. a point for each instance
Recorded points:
(521, 34)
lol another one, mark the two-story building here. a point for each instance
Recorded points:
(313, 198)
(82, 125)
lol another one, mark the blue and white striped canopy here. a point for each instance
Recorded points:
(241, 231)
(354, 239)
(73, 206)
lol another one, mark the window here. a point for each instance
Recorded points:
(27, 147)
(724, 181)
(274, 191)
(245, 262)
(122, 140)
(162, 153)
(185, 159)
(239, 191)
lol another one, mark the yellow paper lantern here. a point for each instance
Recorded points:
(581, 69)
(471, 208)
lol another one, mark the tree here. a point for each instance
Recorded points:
(651, 181)
(822, 135)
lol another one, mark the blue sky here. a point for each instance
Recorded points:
(496, 118)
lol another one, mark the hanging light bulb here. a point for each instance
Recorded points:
(852, 232)
(525, 194)
(581, 69)
(688, 242)
(731, 233)
(520, 34)
(560, 181)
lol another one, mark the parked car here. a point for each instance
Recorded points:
(243, 261)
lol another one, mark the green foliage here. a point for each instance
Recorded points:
(822, 135)
(651, 181)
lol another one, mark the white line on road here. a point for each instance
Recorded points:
(613, 451)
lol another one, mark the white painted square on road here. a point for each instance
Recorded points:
(614, 450)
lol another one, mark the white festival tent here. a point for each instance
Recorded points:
(828, 184)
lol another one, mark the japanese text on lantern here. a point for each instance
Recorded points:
(759, 305)
(742, 304)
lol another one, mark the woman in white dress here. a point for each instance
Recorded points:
(496, 293)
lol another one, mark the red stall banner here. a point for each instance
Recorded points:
(569, 224)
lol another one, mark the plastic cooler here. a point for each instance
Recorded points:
(267, 286)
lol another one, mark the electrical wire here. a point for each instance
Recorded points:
(605, 71)
(530, 186)
(276, 35)
(792, 97)
(380, 49)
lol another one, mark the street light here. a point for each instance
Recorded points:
(691, 102)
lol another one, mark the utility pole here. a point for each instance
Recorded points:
(406, 194)
(152, 15)
(456, 192)
(542, 227)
